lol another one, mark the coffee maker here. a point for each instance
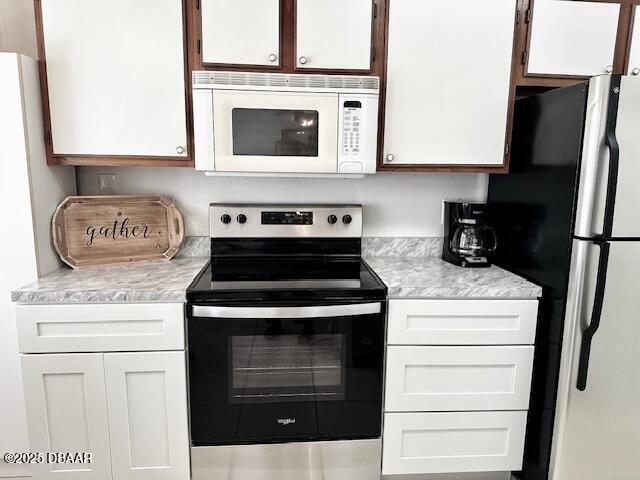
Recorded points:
(468, 240)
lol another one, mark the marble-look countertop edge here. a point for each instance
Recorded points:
(100, 296)
(416, 293)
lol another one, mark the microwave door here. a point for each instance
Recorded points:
(267, 132)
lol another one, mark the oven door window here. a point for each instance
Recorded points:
(284, 368)
(271, 380)
(275, 133)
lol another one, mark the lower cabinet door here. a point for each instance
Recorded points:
(147, 404)
(452, 442)
(67, 413)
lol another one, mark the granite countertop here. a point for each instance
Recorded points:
(430, 277)
(153, 281)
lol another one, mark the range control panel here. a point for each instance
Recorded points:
(285, 221)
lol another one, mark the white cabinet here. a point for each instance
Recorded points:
(108, 327)
(572, 38)
(129, 410)
(634, 48)
(242, 32)
(147, 403)
(457, 385)
(420, 443)
(115, 77)
(439, 379)
(66, 408)
(334, 34)
(462, 322)
(448, 82)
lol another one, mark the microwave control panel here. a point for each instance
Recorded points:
(352, 122)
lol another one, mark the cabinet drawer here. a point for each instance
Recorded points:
(427, 379)
(452, 442)
(100, 327)
(462, 322)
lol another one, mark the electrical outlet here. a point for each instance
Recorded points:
(107, 184)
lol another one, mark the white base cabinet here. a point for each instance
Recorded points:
(147, 405)
(420, 443)
(458, 378)
(457, 385)
(127, 409)
(66, 405)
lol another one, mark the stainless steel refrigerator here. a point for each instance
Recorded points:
(568, 218)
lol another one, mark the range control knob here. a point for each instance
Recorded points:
(332, 219)
(226, 218)
(242, 218)
(347, 219)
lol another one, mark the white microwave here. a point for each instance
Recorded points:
(279, 124)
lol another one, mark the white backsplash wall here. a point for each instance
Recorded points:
(395, 204)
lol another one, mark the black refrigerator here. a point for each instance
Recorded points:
(568, 218)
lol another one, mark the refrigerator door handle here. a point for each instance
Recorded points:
(596, 314)
(614, 156)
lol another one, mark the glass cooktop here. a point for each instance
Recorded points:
(280, 278)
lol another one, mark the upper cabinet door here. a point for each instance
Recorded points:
(634, 48)
(67, 412)
(116, 77)
(448, 82)
(148, 422)
(241, 32)
(334, 34)
(572, 38)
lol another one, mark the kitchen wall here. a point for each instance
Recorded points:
(396, 204)
(17, 27)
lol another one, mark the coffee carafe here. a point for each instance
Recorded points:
(468, 240)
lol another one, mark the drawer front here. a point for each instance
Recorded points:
(462, 322)
(438, 379)
(453, 442)
(100, 327)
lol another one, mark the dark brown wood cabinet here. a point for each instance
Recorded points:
(564, 42)
(288, 36)
(115, 82)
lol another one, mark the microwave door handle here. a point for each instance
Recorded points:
(206, 311)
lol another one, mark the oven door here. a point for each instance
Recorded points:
(270, 132)
(278, 374)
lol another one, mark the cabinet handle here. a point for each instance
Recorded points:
(303, 60)
(273, 57)
(609, 69)
(635, 71)
(390, 157)
(180, 149)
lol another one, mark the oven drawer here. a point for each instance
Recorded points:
(422, 379)
(416, 443)
(462, 322)
(100, 327)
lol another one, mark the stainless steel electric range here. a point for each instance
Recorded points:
(286, 343)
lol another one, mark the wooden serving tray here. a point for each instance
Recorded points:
(116, 229)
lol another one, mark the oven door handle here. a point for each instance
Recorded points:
(349, 310)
